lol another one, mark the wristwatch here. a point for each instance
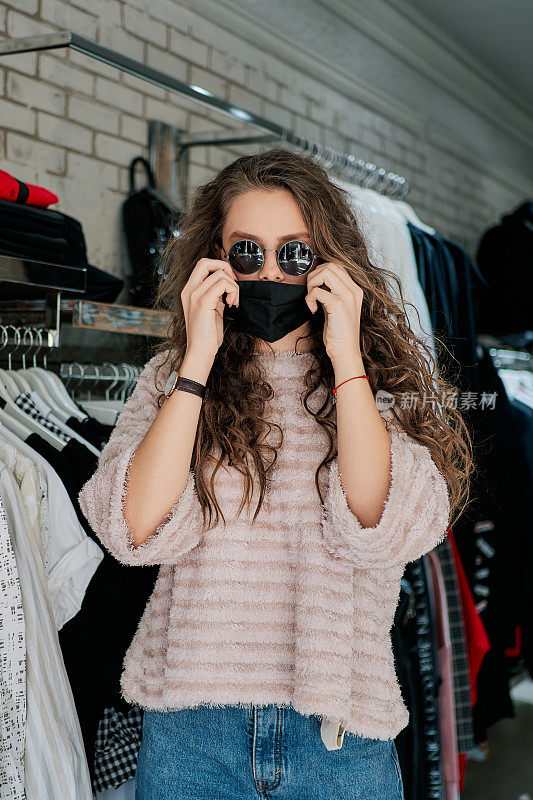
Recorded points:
(176, 381)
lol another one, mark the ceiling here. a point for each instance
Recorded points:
(498, 33)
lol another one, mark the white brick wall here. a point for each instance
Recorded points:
(74, 123)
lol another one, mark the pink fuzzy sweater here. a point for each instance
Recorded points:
(295, 609)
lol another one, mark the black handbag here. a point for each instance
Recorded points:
(149, 220)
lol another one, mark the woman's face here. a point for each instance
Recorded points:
(270, 217)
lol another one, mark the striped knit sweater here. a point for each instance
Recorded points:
(295, 609)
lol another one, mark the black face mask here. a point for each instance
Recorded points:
(270, 310)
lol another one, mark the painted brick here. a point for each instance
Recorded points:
(144, 87)
(67, 134)
(19, 25)
(165, 112)
(17, 117)
(145, 27)
(107, 11)
(28, 6)
(167, 62)
(256, 81)
(66, 17)
(25, 150)
(293, 100)
(226, 64)
(278, 115)
(114, 149)
(118, 96)
(208, 80)
(121, 41)
(35, 93)
(21, 62)
(93, 114)
(93, 66)
(57, 70)
(133, 129)
(92, 171)
(191, 49)
(169, 12)
(244, 99)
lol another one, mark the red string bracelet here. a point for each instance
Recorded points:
(346, 381)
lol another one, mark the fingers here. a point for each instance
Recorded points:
(203, 269)
(211, 289)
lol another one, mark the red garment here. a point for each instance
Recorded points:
(24, 193)
(477, 640)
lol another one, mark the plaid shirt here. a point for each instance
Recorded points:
(26, 404)
(118, 740)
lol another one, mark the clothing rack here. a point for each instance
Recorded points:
(347, 165)
(120, 378)
(511, 359)
(86, 314)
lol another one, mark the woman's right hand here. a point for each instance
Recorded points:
(203, 306)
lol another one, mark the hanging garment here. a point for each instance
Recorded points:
(90, 429)
(70, 557)
(57, 227)
(524, 477)
(55, 762)
(113, 592)
(117, 594)
(460, 668)
(118, 741)
(448, 738)
(17, 191)
(427, 684)
(390, 247)
(33, 405)
(410, 741)
(491, 537)
(26, 404)
(504, 256)
(449, 278)
(12, 671)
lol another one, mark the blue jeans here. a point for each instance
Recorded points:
(247, 753)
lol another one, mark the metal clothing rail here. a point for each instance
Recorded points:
(349, 166)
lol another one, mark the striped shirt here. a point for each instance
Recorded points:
(295, 609)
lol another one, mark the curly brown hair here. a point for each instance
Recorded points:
(232, 419)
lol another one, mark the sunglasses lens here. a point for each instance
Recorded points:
(245, 257)
(295, 258)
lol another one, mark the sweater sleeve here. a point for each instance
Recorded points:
(102, 498)
(414, 519)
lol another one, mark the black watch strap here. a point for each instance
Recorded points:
(176, 381)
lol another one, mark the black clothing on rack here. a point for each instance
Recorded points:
(448, 278)
(94, 641)
(505, 257)
(45, 235)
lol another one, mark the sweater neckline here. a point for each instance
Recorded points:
(285, 364)
(280, 355)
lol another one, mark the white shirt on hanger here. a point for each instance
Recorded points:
(70, 557)
(390, 247)
(12, 670)
(54, 759)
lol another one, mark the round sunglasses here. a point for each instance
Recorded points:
(294, 258)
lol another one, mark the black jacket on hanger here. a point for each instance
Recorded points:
(505, 257)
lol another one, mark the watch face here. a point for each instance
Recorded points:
(170, 382)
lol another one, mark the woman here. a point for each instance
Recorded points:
(263, 659)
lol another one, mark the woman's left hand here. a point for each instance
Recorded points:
(342, 302)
